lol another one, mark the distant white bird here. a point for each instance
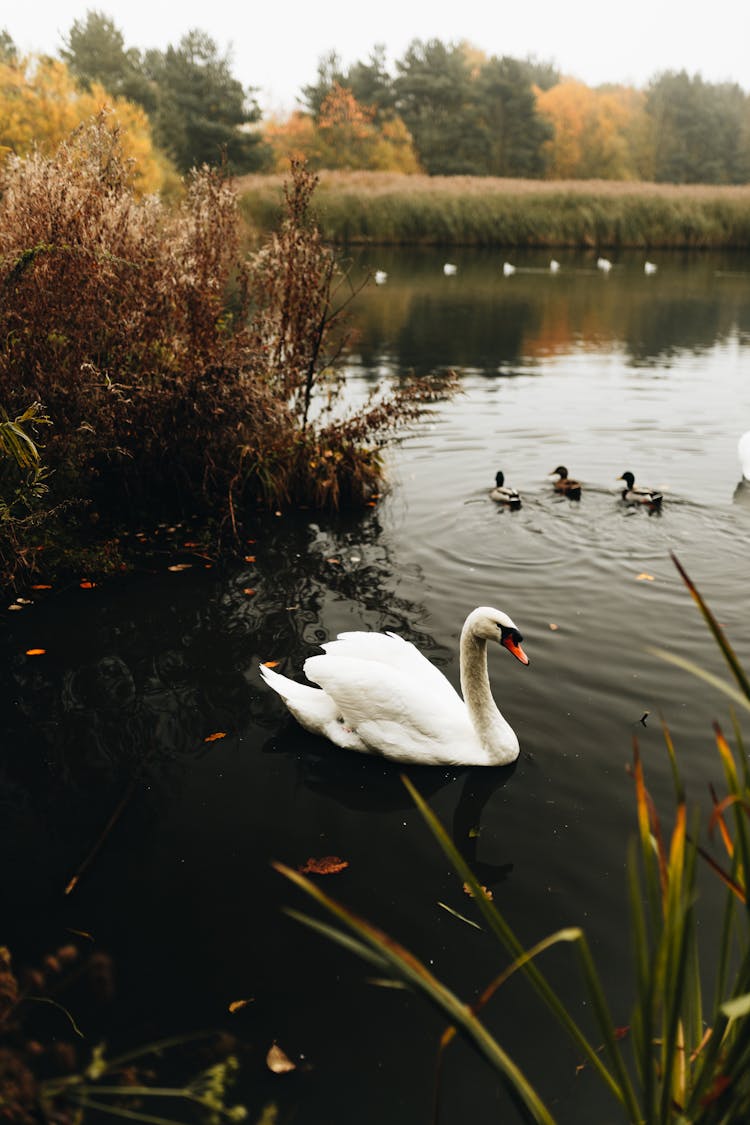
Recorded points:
(743, 448)
(650, 267)
(554, 266)
(380, 277)
(508, 269)
(603, 264)
(449, 268)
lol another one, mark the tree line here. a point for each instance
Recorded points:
(443, 109)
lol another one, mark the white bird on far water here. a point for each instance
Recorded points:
(449, 268)
(743, 449)
(603, 264)
(508, 269)
(380, 277)
(650, 267)
(554, 265)
(381, 696)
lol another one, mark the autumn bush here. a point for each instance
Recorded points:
(384, 208)
(177, 375)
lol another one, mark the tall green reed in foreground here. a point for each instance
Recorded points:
(687, 1056)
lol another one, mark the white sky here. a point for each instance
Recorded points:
(275, 45)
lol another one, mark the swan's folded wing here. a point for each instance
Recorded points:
(393, 651)
(393, 713)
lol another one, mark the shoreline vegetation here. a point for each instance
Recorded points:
(153, 370)
(385, 208)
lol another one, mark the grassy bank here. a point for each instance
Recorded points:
(389, 209)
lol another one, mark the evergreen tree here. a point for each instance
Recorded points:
(94, 51)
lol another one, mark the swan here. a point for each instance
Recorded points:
(638, 493)
(449, 268)
(380, 277)
(603, 264)
(554, 265)
(503, 494)
(743, 449)
(508, 269)
(569, 488)
(382, 696)
(650, 267)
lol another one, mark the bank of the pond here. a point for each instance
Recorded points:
(391, 209)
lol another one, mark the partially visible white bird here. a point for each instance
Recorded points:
(380, 277)
(508, 269)
(449, 269)
(603, 264)
(554, 265)
(382, 696)
(650, 267)
(634, 493)
(743, 449)
(503, 494)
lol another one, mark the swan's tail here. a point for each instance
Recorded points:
(313, 709)
(289, 690)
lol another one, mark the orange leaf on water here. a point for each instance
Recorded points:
(327, 865)
(85, 584)
(468, 891)
(236, 1005)
(35, 651)
(271, 663)
(214, 737)
(249, 591)
(553, 627)
(180, 566)
(249, 558)
(644, 577)
(41, 586)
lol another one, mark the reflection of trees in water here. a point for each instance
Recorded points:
(132, 684)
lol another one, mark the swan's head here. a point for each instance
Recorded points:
(628, 478)
(493, 625)
(499, 479)
(560, 471)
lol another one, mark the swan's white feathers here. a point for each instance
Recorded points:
(391, 650)
(743, 449)
(399, 716)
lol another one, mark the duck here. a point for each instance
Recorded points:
(504, 494)
(569, 488)
(638, 494)
(554, 265)
(508, 269)
(743, 450)
(650, 267)
(380, 277)
(449, 269)
(603, 264)
(378, 694)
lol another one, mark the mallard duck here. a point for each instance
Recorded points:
(638, 494)
(568, 487)
(503, 494)
(382, 696)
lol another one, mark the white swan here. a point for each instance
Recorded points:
(554, 265)
(380, 277)
(650, 267)
(743, 449)
(508, 269)
(603, 264)
(382, 696)
(449, 269)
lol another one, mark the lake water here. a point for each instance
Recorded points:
(603, 373)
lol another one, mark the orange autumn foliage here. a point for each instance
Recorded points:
(596, 131)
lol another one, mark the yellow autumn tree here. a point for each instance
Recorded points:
(346, 134)
(595, 131)
(40, 105)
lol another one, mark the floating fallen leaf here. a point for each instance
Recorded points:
(251, 540)
(553, 627)
(15, 606)
(468, 891)
(180, 566)
(35, 651)
(24, 601)
(333, 560)
(236, 1005)
(214, 737)
(249, 558)
(278, 1061)
(249, 591)
(41, 586)
(643, 577)
(327, 865)
(86, 584)
(188, 545)
(355, 558)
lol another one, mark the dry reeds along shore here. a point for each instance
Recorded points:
(387, 208)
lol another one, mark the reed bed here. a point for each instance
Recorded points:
(389, 209)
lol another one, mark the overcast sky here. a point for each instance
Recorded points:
(275, 45)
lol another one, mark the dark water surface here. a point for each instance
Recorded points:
(601, 373)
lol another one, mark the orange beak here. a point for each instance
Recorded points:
(515, 649)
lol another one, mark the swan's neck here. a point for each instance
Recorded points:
(496, 735)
